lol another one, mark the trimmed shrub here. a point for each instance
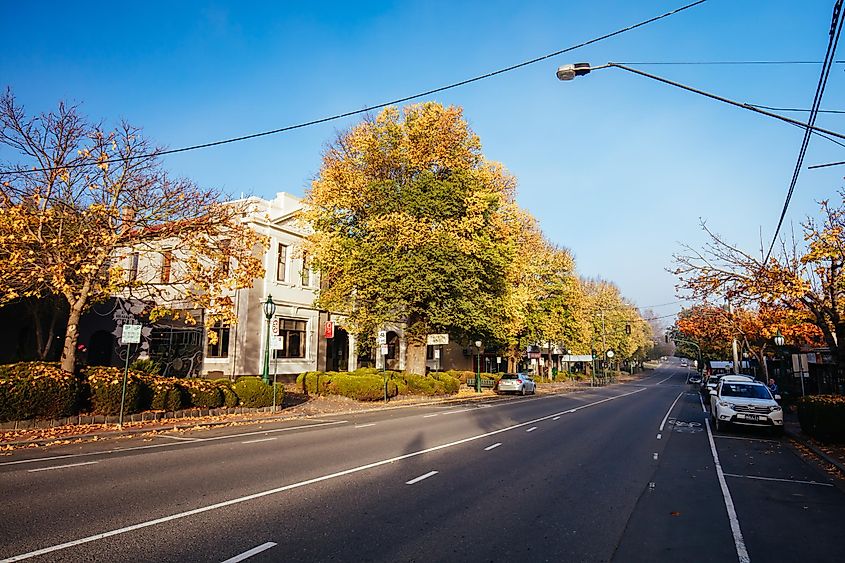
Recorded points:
(253, 392)
(37, 390)
(823, 416)
(315, 382)
(421, 385)
(451, 384)
(202, 393)
(147, 366)
(106, 385)
(164, 394)
(230, 398)
(361, 387)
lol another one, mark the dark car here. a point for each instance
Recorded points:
(694, 377)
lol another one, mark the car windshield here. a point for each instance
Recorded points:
(745, 390)
(510, 376)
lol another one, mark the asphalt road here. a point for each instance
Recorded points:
(627, 472)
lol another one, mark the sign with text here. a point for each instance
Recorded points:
(328, 331)
(437, 339)
(277, 342)
(131, 334)
(382, 337)
(384, 349)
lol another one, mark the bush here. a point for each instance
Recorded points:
(147, 366)
(315, 382)
(106, 385)
(421, 385)
(163, 394)
(37, 390)
(230, 398)
(451, 384)
(823, 416)
(254, 393)
(361, 387)
(202, 393)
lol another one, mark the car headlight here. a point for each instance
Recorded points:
(775, 408)
(722, 403)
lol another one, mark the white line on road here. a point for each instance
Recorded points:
(456, 412)
(665, 418)
(655, 456)
(259, 440)
(739, 541)
(747, 439)
(492, 447)
(277, 490)
(779, 480)
(532, 429)
(182, 438)
(251, 552)
(421, 477)
(62, 466)
(170, 445)
(430, 415)
(664, 380)
(659, 436)
(365, 425)
(556, 418)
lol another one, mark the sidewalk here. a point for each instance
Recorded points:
(831, 454)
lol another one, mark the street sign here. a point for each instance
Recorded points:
(382, 337)
(274, 326)
(328, 332)
(437, 339)
(384, 349)
(437, 353)
(610, 353)
(131, 334)
(277, 342)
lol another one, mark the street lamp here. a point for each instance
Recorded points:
(478, 369)
(779, 339)
(269, 311)
(570, 71)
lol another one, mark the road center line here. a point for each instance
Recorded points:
(251, 552)
(259, 440)
(456, 412)
(532, 429)
(492, 447)
(170, 445)
(277, 490)
(739, 541)
(556, 418)
(421, 477)
(365, 425)
(779, 480)
(665, 418)
(62, 466)
(664, 380)
(182, 438)
(430, 415)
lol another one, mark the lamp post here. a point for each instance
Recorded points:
(571, 71)
(478, 368)
(269, 311)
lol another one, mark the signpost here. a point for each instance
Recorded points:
(328, 330)
(131, 334)
(277, 343)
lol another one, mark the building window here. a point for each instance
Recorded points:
(306, 271)
(292, 332)
(281, 262)
(219, 349)
(429, 352)
(166, 263)
(133, 266)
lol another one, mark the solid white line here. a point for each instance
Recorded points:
(430, 415)
(492, 447)
(182, 438)
(779, 480)
(456, 412)
(259, 440)
(532, 429)
(556, 418)
(739, 542)
(664, 380)
(62, 466)
(421, 477)
(251, 552)
(365, 425)
(292, 486)
(151, 446)
(662, 424)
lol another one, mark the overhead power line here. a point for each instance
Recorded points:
(813, 167)
(834, 33)
(797, 109)
(644, 63)
(388, 103)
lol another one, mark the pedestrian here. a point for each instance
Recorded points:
(773, 387)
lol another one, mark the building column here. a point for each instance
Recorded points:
(352, 353)
(403, 349)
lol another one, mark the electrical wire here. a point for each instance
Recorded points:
(797, 109)
(382, 104)
(835, 31)
(663, 304)
(813, 167)
(644, 63)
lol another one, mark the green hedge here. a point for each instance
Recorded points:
(106, 384)
(361, 387)
(230, 398)
(203, 393)
(37, 390)
(254, 393)
(823, 416)
(367, 384)
(163, 394)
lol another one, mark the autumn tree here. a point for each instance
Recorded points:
(615, 323)
(82, 200)
(411, 223)
(804, 278)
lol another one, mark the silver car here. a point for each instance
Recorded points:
(516, 383)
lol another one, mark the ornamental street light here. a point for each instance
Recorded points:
(269, 311)
(478, 370)
(571, 71)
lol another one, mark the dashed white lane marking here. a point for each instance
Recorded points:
(739, 541)
(532, 429)
(62, 466)
(251, 552)
(665, 418)
(492, 446)
(430, 415)
(663, 380)
(179, 443)
(655, 456)
(183, 438)
(300, 484)
(421, 477)
(556, 418)
(779, 480)
(659, 436)
(365, 425)
(456, 412)
(259, 440)
(573, 410)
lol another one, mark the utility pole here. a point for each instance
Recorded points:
(733, 342)
(603, 342)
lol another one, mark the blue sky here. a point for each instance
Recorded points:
(616, 167)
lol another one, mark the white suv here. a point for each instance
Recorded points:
(745, 402)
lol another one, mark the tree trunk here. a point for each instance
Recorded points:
(68, 362)
(415, 357)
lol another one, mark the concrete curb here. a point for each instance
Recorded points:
(807, 443)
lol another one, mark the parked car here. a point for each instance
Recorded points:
(683, 363)
(516, 383)
(694, 377)
(710, 382)
(750, 403)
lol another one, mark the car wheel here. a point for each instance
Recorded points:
(534, 390)
(720, 426)
(522, 391)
